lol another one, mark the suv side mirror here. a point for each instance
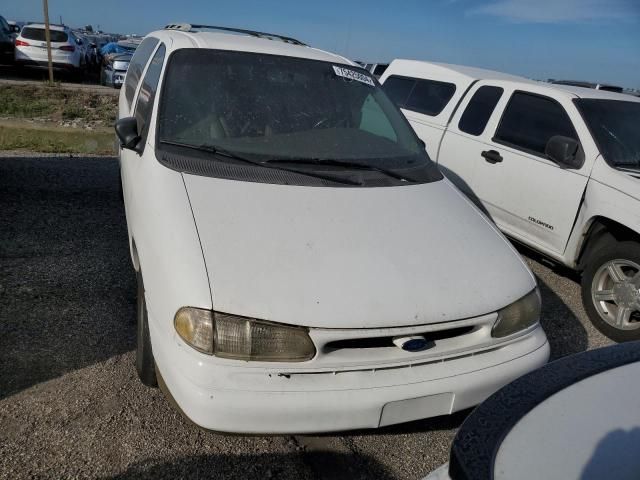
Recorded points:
(127, 132)
(564, 151)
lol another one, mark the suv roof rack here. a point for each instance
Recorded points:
(187, 27)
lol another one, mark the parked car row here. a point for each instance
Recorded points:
(77, 52)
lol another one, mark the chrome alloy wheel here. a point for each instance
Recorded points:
(615, 292)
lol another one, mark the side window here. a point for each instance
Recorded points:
(430, 97)
(374, 120)
(147, 95)
(529, 121)
(398, 89)
(136, 66)
(475, 117)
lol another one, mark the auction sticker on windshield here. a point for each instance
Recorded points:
(353, 75)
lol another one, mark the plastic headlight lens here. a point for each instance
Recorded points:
(518, 316)
(195, 326)
(241, 338)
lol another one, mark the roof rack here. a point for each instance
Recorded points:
(187, 27)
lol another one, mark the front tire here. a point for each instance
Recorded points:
(145, 364)
(611, 291)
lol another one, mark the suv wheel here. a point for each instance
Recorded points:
(145, 364)
(611, 291)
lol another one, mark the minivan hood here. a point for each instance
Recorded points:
(351, 257)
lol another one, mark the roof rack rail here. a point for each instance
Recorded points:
(187, 27)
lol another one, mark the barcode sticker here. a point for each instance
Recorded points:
(353, 75)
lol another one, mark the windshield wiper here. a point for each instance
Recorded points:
(342, 163)
(229, 154)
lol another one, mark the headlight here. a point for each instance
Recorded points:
(195, 326)
(241, 338)
(518, 316)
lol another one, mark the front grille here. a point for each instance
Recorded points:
(387, 341)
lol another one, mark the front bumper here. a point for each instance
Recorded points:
(118, 78)
(250, 399)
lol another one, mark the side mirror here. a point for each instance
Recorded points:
(564, 151)
(127, 132)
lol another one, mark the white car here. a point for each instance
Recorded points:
(565, 421)
(67, 51)
(556, 167)
(302, 265)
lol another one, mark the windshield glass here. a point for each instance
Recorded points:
(268, 107)
(615, 126)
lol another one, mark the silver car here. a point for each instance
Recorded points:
(114, 69)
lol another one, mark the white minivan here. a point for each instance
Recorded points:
(302, 265)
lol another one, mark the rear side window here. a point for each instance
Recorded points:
(38, 34)
(430, 97)
(479, 110)
(144, 105)
(398, 89)
(529, 121)
(136, 67)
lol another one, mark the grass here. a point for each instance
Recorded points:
(52, 139)
(56, 103)
(54, 106)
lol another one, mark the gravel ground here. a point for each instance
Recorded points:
(70, 403)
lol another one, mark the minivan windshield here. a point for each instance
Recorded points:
(270, 108)
(615, 126)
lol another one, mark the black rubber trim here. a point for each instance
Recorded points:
(476, 444)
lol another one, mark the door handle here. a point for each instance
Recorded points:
(492, 156)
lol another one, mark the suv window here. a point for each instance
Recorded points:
(530, 120)
(38, 34)
(136, 67)
(144, 105)
(398, 89)
(475, 117)
(430, 97)
(4, 25)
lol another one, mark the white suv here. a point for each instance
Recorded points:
(67, 52)
(302, 265)
(557, 168)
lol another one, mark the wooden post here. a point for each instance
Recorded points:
(47, 33)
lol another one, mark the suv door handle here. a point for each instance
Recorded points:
(492, 156)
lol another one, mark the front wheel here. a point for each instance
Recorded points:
(611, 291)
(145, 364)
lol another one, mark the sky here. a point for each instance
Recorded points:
(595, 40)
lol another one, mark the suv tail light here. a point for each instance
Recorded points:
(68, 48)
(21, 43)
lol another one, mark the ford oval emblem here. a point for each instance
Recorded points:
(413, 343)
